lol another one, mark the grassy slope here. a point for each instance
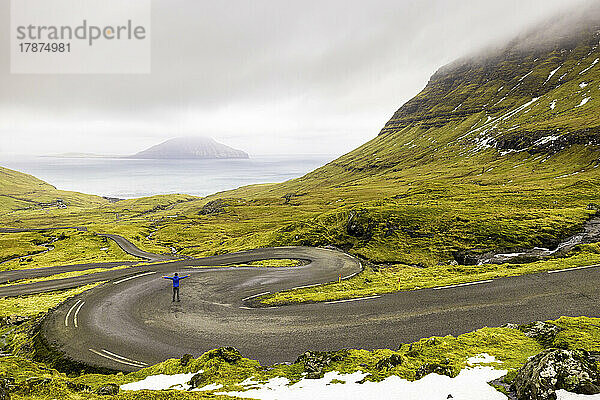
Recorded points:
(464, 165)
(489, 175)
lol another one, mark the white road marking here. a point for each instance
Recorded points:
(254, 295)
(462, 284)
(133, 277)
(573, 269)
(123, 358)
(133, 364)
(70, 311)
(306, 286)
(76, 313)
(349, 300)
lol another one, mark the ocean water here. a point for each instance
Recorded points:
(129, 178)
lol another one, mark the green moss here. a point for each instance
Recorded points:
(34, 304)
(70, 246)
(578, 333)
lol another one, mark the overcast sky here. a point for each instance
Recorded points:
(266, 76)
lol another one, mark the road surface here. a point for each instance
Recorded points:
(130, 322)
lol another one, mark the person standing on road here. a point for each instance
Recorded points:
(175, 278)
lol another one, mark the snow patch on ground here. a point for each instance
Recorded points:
(212, 386)
(545, 139)
(471, 383)
(590, 67)
(583, 85)
(564, 395)
(161, 382)
(584, 101)
(553, 105)
(483, 358)
(552, 74)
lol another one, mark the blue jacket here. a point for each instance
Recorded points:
(175, 279)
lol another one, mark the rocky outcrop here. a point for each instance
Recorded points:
(434, 368)
(185, 360)
(33, 385)
(359, 225)
(554, 369)
(389, 362)
(13, 320)
(227, 354)
(108, 389)
(315, 362)
(213, 207)
(5, 384)
(590, 233)
(543, 332)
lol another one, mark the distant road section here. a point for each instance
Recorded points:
(133, 250)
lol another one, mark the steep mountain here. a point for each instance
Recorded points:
(499, 152)
(190, 148)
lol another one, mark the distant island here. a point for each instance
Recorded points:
(190, 148)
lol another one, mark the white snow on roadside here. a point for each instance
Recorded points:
(483, 358)
(584, 101)
(161, 382)
(553, 105)
(564, 395)
(471, 383)
(583, 85)
(212, 386)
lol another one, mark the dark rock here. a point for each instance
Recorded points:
(185, 359)
(5, 388)
(108, 389)
(78, 387)
(228, 354)
(13, 320)
(316, 361)
(199, 380)
(389, 362)
(359, 225)
(33, 385)
(543, 332)
(434, 368)
(213, 207)
(593, 207)
(554, 369)
(390, 229)
(466, 257)
(288, 197)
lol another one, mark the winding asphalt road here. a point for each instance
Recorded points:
(130, 322)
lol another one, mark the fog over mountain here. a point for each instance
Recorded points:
(265, 76)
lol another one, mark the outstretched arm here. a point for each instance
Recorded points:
(183, 277)
(168, 277)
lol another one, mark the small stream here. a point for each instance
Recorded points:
(589, 234)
